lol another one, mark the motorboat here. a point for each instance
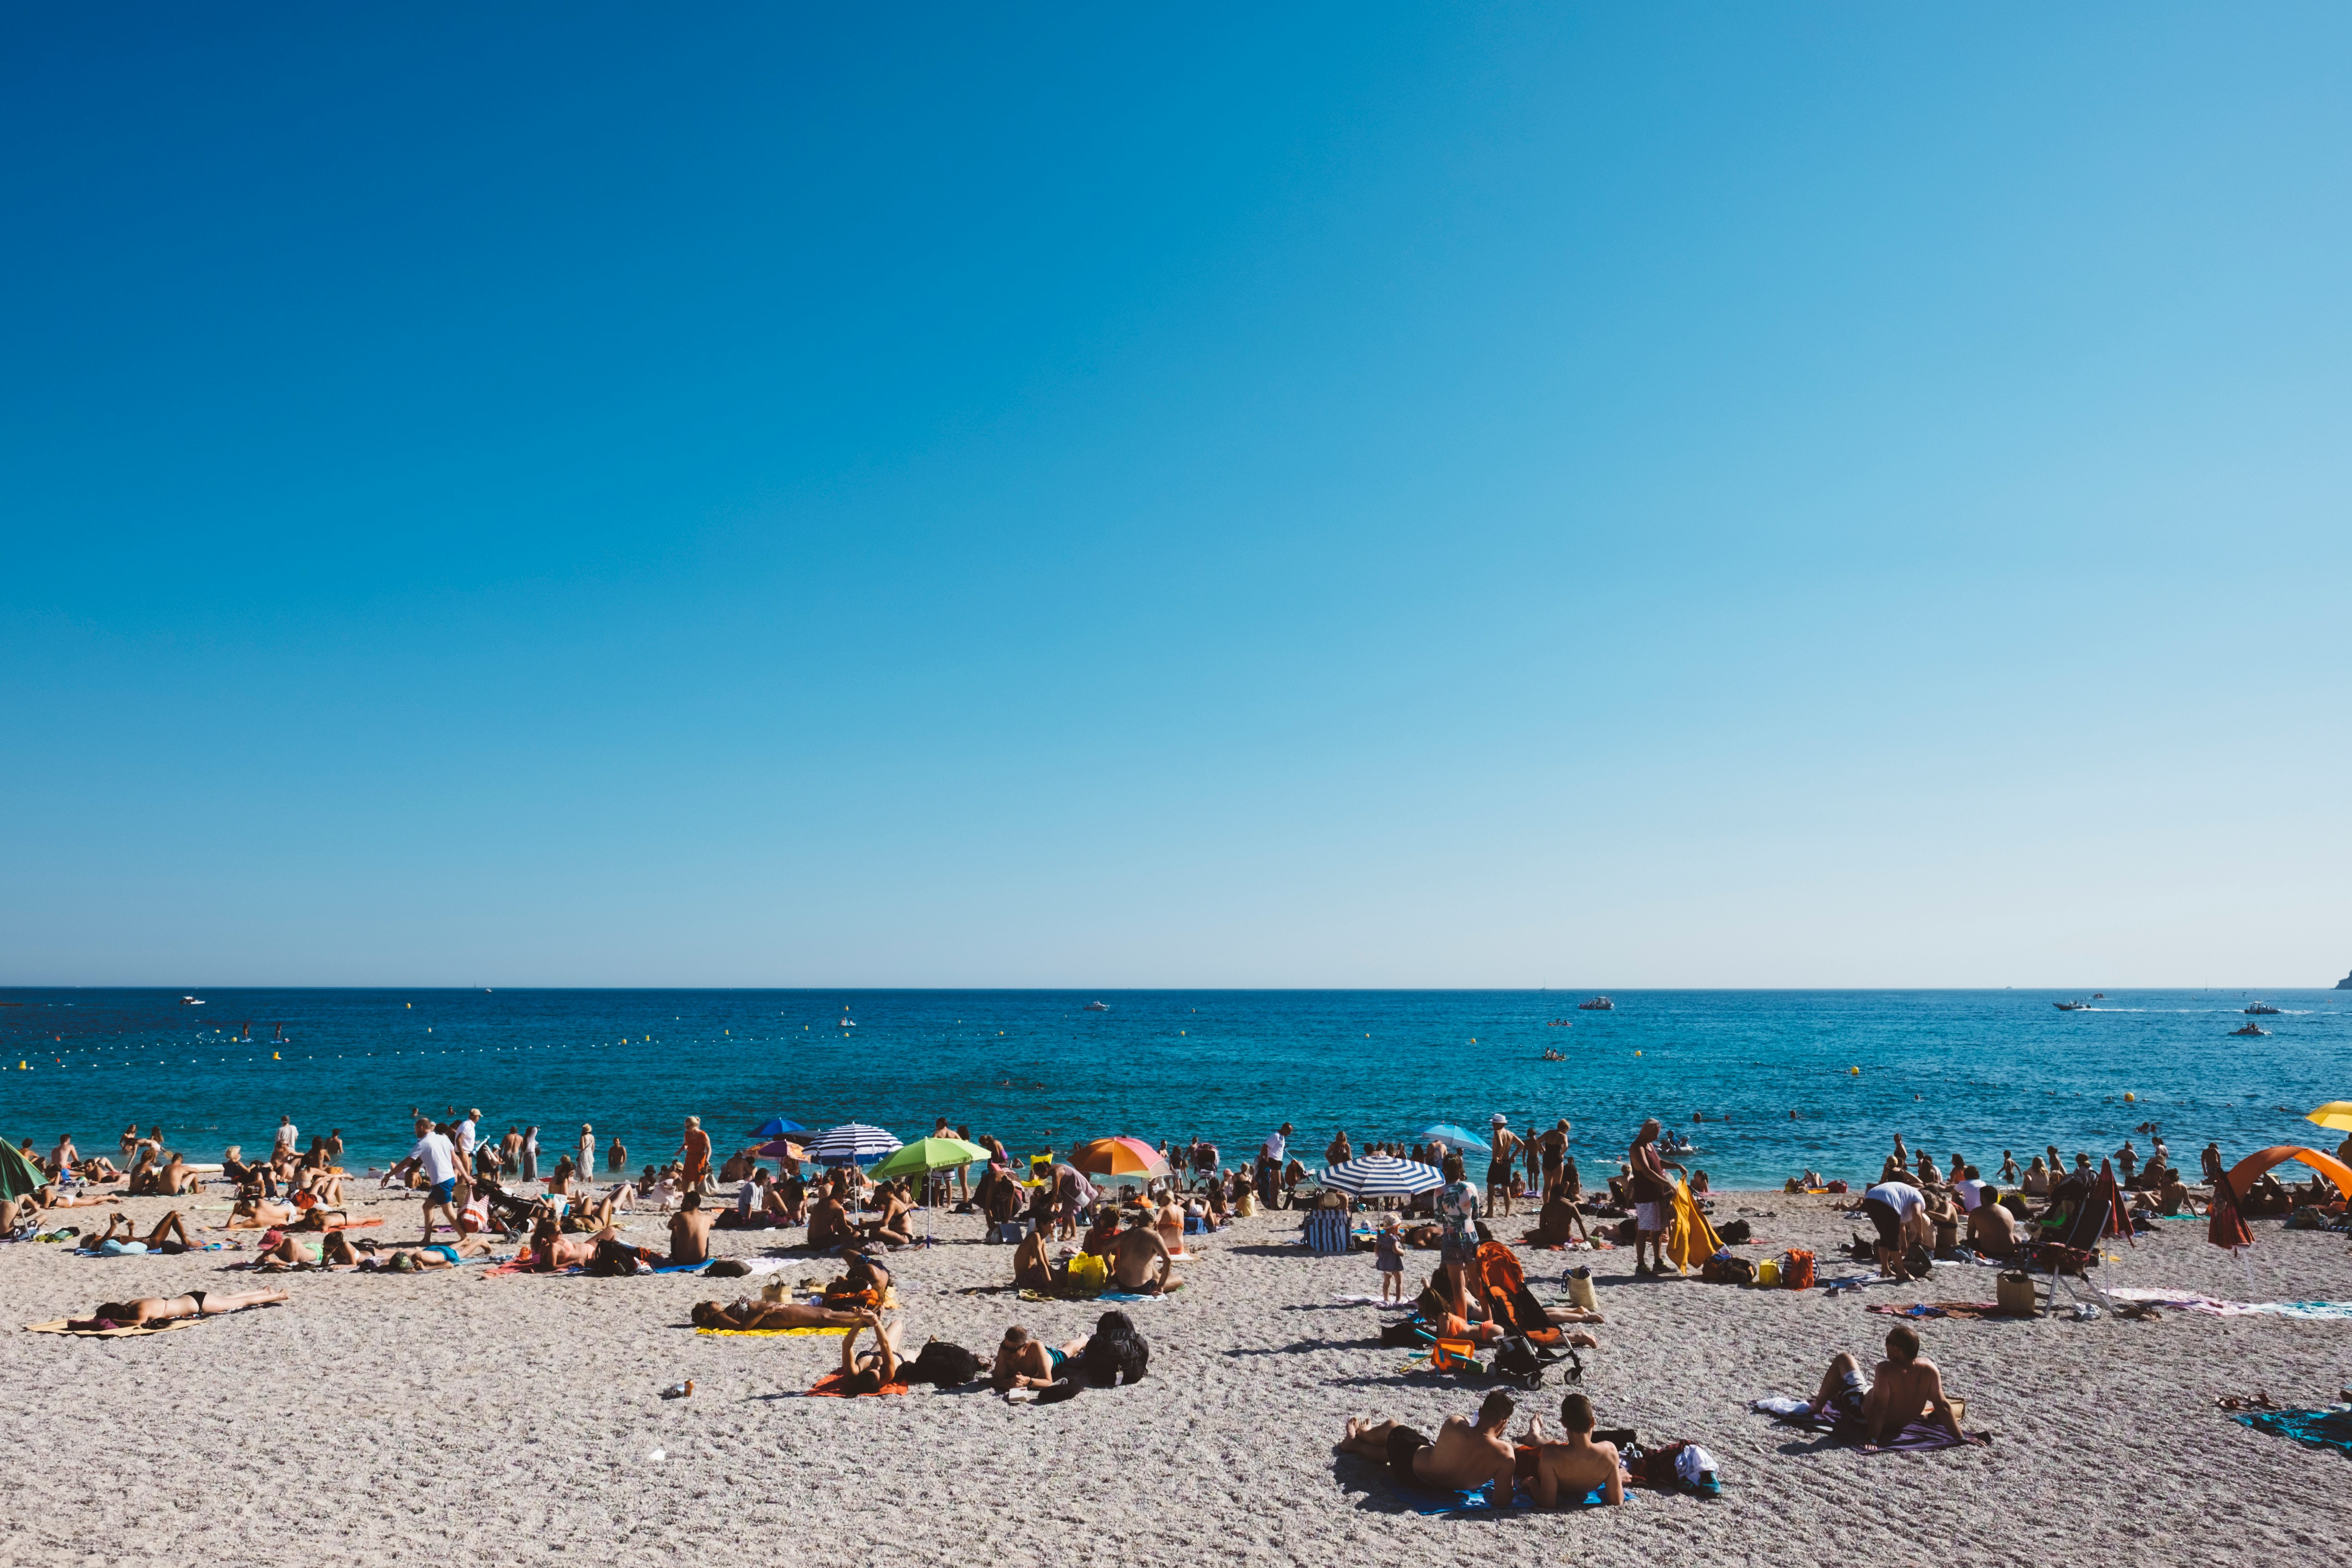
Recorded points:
(1094, 1008)
(1598, 1004)
(192, 1001)
(2263, 1009)
(2251, 1029)
(2070, 1007)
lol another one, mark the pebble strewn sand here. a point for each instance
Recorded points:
(451, 1417)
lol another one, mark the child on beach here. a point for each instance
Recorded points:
(1389, 1257)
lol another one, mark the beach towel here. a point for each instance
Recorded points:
(1437, 1502)
(829, 1387)
(1942, 1310)
(762, 1334)
(1123, 1296)
(2309, 1312)
(63, 1326)
(1918, 1437)
(2312, 1428)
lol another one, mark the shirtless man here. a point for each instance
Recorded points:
(63, 1157)
(1992, 1230)
(894, 1226)
(1467, 1456)
(1572, 1468)
(1900, 1389)
(163, 1310)
(1024, 1360)
(1140, 1262)
(1031, 1270)
(828, 1224)
(748, 1314)
(695, 1150)
(689, 1231)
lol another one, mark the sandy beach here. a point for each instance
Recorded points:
(407, 1418)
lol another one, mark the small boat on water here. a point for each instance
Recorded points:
(1598, 1004)
(2263, 1009)
(2070, 1007)
(2251, 1029)
(1094, 1008)
(192, 1001)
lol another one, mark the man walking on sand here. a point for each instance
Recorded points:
(436, 1161)
(1653, 1200)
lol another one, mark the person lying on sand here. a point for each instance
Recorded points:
(869, 1372)
(1024, 1360)
(1902, 1387)
(170, 1235)
(748, 1314)
(163, 1310)
(290, 1249)
(1466, 1456)
(260, 1214)
(1573, 1467)
(552, 1250)
(1140, 1262)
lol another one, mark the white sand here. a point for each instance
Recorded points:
(450, 1417)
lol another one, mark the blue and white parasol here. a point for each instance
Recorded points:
(852, 1143)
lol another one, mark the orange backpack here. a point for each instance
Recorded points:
(1797, 1269)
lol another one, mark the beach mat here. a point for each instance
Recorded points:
(1440, 1504)
(2312, 1311)
(1918, 1437)
(764, 1333)
(1943, 1309)
(1121, 1296)
(829, 1387)
(2312, 1428)
(63, 1326)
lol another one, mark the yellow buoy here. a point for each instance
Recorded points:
(273, 1056)
(2129, 1098)
(1855, 1071)
(1637, 1053)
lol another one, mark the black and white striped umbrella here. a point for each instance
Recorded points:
(1381, 1176)
(851, 1143)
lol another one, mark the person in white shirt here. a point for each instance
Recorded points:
(286, 1134)
(1899, 1210)
(587, 1162)
(531, 1153)
(1277, 1144)
(436, 1159)
(466, 1138)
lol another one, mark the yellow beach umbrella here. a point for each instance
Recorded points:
(2335, 1116)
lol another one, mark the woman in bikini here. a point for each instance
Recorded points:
(873, 1371)
(163, 1310)
(748, 1314)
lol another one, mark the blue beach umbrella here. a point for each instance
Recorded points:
(776, 1127)
(1450, 1135)
(1381, 1176)
(852, 1143)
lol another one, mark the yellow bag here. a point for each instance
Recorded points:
(1089, 1272)
(1768, 1271)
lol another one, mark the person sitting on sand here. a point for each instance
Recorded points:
(1024, 1360)
(1466, 1456)
(1141, 1263)
(1992, 1230)
(1572, 1470)
(2174, 1198)
(1031, 1268)
(1102, 1238)
(1169, 1221)
(895, 1224)
(689, 1231)
(1560, 1221)
(1901, 1388)
(872, 1370)
(829, 1225)
(163, 1310)
(748, 1314)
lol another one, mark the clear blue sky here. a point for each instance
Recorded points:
(1382, 496)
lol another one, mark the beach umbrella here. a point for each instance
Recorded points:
(19, 1176)
(1381, 1176)
(1118, 1157)
(924, 1155)
(781, 1149)
(2335, 1116)
(1450, 1135)
(776, 1127)
(852, 1143)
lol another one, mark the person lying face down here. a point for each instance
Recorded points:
(1576, 1465)
(750, 1314)
(1466, 1456)
(148, 1309)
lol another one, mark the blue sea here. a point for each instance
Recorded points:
(1975, 1071)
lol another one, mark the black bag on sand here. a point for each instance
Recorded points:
(1404, 1333)
(943, 1364)
(727, 1268)
(1735, 1234)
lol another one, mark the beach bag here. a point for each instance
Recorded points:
(2015, 1292)
(1735, 1234)
(727, 1268)
(1835, 1187)
(1327, 1230)
(1579, 1287)
(1404, 1333)
(1089, 1272)
(944, 1364)
(1797, 1269)
(1768, 1273)
(1725, 1269)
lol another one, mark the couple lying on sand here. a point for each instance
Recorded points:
(1475, 1455)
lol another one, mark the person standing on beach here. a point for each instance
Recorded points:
(1653, 1199)
(465, 1133)
(695, 1148)
(586, 1164)
(1457, 1212)
(285, 1135)
(616, 1154)
(1503, 1154)
(529, 1153)
(1270, 1156)
(436, 1161)
(1551, 1149)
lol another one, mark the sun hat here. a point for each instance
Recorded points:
(1500, 1119)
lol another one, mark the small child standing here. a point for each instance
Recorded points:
(1389, 1257)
